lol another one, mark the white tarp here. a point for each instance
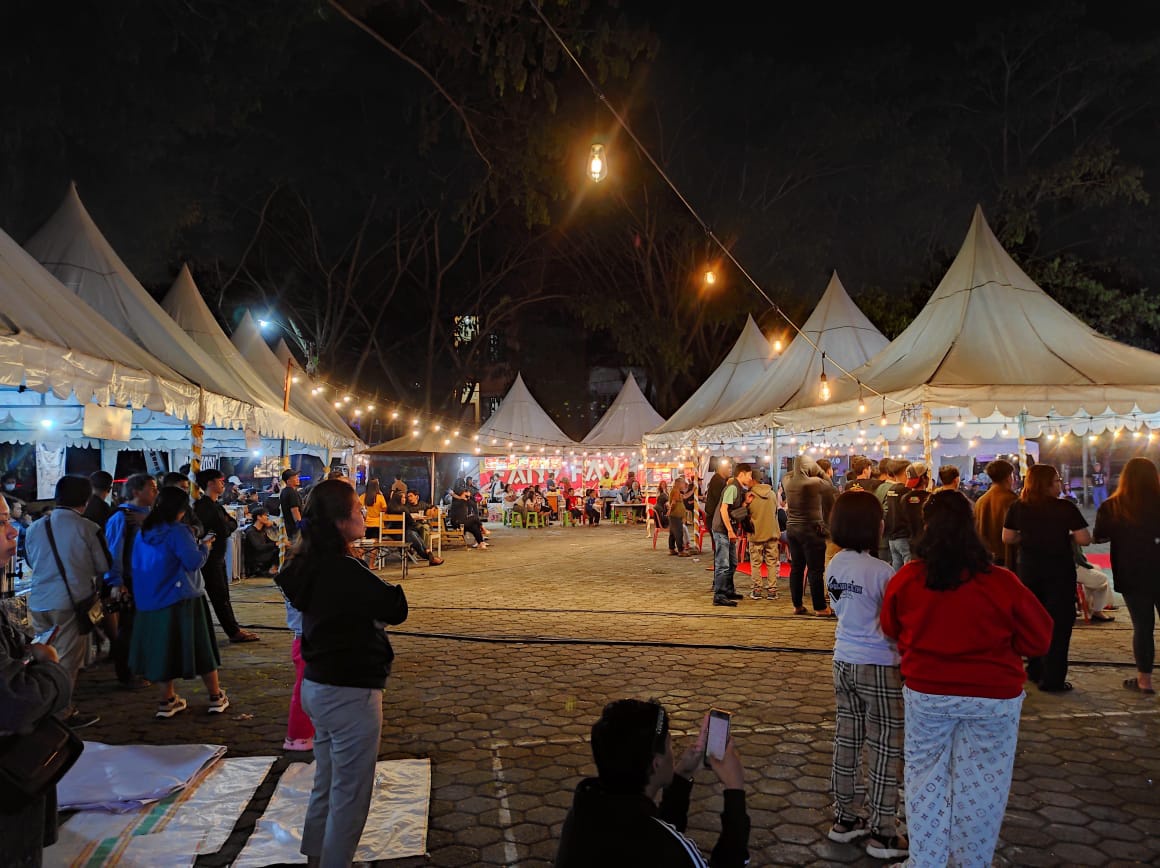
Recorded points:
(125, 777)
(521, 420)
(72, 247)
(990, 341)
(166, 834)
(745, 364)
(52, 342)
(626, 420)
(396, 825)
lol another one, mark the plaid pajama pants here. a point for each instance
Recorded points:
(869, 700)
(960, 751)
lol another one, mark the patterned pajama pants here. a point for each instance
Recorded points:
(869, 701)
(960, 751)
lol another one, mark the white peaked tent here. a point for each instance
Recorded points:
(188, 309)
(324, 408)
(50, 341)
(626, 420)
(744, 366)
(72, 247)
(989, 341)
(837, 328)
(250, 343)
(520, 420)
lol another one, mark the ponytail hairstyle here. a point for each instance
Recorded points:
(330, 502)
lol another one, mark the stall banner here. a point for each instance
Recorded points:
(582, 473)
(107, 423)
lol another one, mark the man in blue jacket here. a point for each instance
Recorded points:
(121, 532)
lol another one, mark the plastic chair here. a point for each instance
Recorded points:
(702, 530)
(516, 519)
(566, 517)
(534, 519)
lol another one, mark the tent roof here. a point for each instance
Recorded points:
(520, 419)
(838, 328)
(188, 309)
(72, 247)
(625, 422)
(990, 340)
(744, 366)
(250, 343)
(433, 442)
(53, 341)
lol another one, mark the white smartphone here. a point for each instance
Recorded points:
(718, 736)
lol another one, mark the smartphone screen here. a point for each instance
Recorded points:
(718, 735)
(47, 637)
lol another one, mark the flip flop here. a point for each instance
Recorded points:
(1133, 684)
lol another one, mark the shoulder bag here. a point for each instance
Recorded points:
(89, 611)
(31, 764)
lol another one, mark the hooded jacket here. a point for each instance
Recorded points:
(805, 490)
(626, 830)
(167, 564)
(763, 513)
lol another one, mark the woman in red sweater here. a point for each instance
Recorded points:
(963, 626)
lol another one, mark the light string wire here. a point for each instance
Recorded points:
(623, 124)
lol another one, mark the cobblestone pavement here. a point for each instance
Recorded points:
(509, 655)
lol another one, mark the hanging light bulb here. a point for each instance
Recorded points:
(883, 420)
(824, 391)
(1004, 431)
(710, 277)
(959, 421)
(597, 162)
(394, 414)
(777, 345)
(861, 402)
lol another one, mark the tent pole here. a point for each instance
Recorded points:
(775, 470)
(432, 479)
(926, 448)
(1023, 445)
(1087, 494)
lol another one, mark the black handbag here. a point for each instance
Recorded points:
(89, 611)
(31, 764)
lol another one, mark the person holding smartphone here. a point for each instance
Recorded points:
(615, 821)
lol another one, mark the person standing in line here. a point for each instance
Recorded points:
(890, 495)
(290, 504)
(963, 626)
(867, 684)
(829, 495)
(345, 610)
(861, 467)
(1099, 482)
(805, 490)
(675, 506)
(218, 523)
(713, 489)
(64, 538)
(948, 478)
(1044, 526)
(98, 510)
(991, 512)
(33, 685)
(1130, 521)
(763, 541)
(725, 537)
(121, 532)
(172, 634)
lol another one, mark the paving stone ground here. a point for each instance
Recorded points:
(509, 655)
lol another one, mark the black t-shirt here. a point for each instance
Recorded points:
(287, 500)
(1045, 551)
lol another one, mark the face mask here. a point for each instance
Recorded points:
(9, 486)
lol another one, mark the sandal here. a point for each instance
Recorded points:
(846, 831)
(1134, 685)
(244, 636)
(887, 846)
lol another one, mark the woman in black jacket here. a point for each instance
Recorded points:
(345, 610)
(1130, 520)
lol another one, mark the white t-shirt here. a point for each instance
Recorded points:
(857, 582)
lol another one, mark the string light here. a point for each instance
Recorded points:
(597, 163)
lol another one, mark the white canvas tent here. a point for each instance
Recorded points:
(72, 247)
(188, 309)
(626, 420)
(521, 421)
(838, 329)
(745, 364)
(250, 343)
(992, 346)
(321, 402)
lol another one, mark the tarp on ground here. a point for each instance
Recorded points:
(124, 777)
(184, 303)
(521, 421)
(53, 342)
(72, 247)
(745, 364)
(990, 341)
(626, 420)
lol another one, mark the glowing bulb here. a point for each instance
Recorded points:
(934, 444)
(1092, 438)
(825, 388)
(414, 433)
(1004, 431)
(861, 406)
(777, 345)
(1116, 434)
(337, 404)
(883, 421)
(358, 411)
(348, 399)
(295, 379)
(597, 163)
(959, 422)
(1137, 434)
(370, 407)
(710, 277)
(46, 423)
(415, 421)
(438, 427)
(1050, 436)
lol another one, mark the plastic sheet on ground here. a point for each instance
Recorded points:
(125, 777)
(396, 825)
(172, 832)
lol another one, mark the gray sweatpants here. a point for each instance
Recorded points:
(348, 723)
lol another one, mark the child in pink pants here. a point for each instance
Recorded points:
(299, 729)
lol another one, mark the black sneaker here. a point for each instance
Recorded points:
(79, 720)
(723, 601)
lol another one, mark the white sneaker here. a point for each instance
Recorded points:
(217, 706)
(483, 544)
(167, 709)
